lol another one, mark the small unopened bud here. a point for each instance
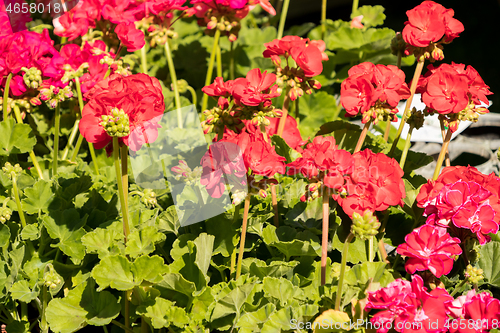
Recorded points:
(182, 86)
(263, 193)
(437, 54)
(364, 226)
(473, 274)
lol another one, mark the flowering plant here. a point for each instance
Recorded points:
(142, 192)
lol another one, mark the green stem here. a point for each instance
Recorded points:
(43, 325)
(323, 19)
(173, 76)
(443, 134)
(18, 201)
(233, 255)
(17, 113)
(71, 138)
(406, 148)
(144, 60)
(243, 235)
(144, 325)
(413, 87)
(124, 162)
(6, 97)
(284, 12)
(77, 148)
(24, 311)
(284, 110)
(231, 62)
(362, 136)
(370, 249)
(127, 308)
(274, 200)
(342, 270)
(121, 192)
(210, 69)
(324, 238)
(219, 61)
(120, 325)
(400, 55)
(387, 130)
(442, 154)
(193, 95)
(355, 4)
(57, 122)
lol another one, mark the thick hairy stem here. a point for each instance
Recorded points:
(274, 200)
(57, 122)
(284, 12)
(324, 237)
(407, 147)
(355, 4)
(442, 154)
(173, 76)
(387, 130)
(6, 97)
(323, 19)
(208, 79)
(121, 190)
(362, 136)
(233, 255)
(413, 87)
(342, 271)
(243, 235)
(443, 134)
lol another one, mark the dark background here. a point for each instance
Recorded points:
(477, 46)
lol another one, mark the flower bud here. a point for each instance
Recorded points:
(182, 86)
(364, 226)
(116, 124)
(473, 274)
(12, 170)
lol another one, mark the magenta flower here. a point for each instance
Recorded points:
(430, 247)
(481, 310)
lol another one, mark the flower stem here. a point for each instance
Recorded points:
(231, 62)
(274, 200)
(413, 87)
(406, 148)
(57, 122)
(17, 113)
(144, 60)
(243, 235)
(355, 4)
(71, 138)
(219, 61)
(6, 97)
(77, 148)
(121, 192)
(18, 201)
(443, 134)
(210, 69)
(457, 288)
(442, 154)
(124, 160)
(323, 19)
(173, 76)
(284, 110)
(284, 12)
(342, 270)
(233, 255)
(387, 130)
(193, 95)
(324, 238)
(362, 136)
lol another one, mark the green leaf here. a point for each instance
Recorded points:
(204, 247)
(169, 221)
(292, 243)
(315, 110)
(143, 241)
(282, 147)
(359, 274)
(65, 315)
(488, 258)
(281, 289)
(357, 249)
(232, 302)
(38, 198)
(164, 313)
(22, 291)
(149, 269)
(68, 228)
(30, 232)
(101, 307)
(372, 15)
(259, 268)
(332, 317)
(252, 321)
(226, 236)
(4, 235)
(103, 242)
(15, 138)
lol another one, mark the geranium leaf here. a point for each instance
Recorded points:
(315, 110)
(38, 198)
(149, 269)
(169, 221)
(143, 241)
(290, 242)
(252, 321)
(4, 235)
(488, 259)
(359, 274)
(101, 307)
(280, 289)
(22, 291)
(163, 313)
(102, 241)
(232, 302)
(372, 15)
(15, 138)
(260, 269)
(225, 235)
(114, 271)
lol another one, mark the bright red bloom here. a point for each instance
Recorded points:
(429, 22)
(409, 308)
(481, 312)
(291, 134)
(262, 159)
(131, 37)
(219, 88)
(356, 94)
(316, 157)
(309, 58)
(139, 96)
(429, 247)
(256, 88)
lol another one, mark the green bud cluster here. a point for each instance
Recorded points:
(116, 124)
(184, 172)
(217, 118)
(364, 226)
(53, 95)
(5, 214)
(70, 74)
(120, 67)
(32, 77)
(149, 198)
(51, 278)
(159, 35)
(225, 24)
(297, 81)
(416, 118)
(398, 44)
(11, 170)
(473, 274)
(182, 86)
(379, 112)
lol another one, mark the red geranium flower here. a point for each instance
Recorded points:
(429, 247)
(481, 312)
(139, 96)
(256, 88)
(131, 37)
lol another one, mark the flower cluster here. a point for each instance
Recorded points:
(373, 91)
(454, 91)
(252, 101)
(307, 54)
(225, 15)
(135, 101)
(430, 25)
(361, 181)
